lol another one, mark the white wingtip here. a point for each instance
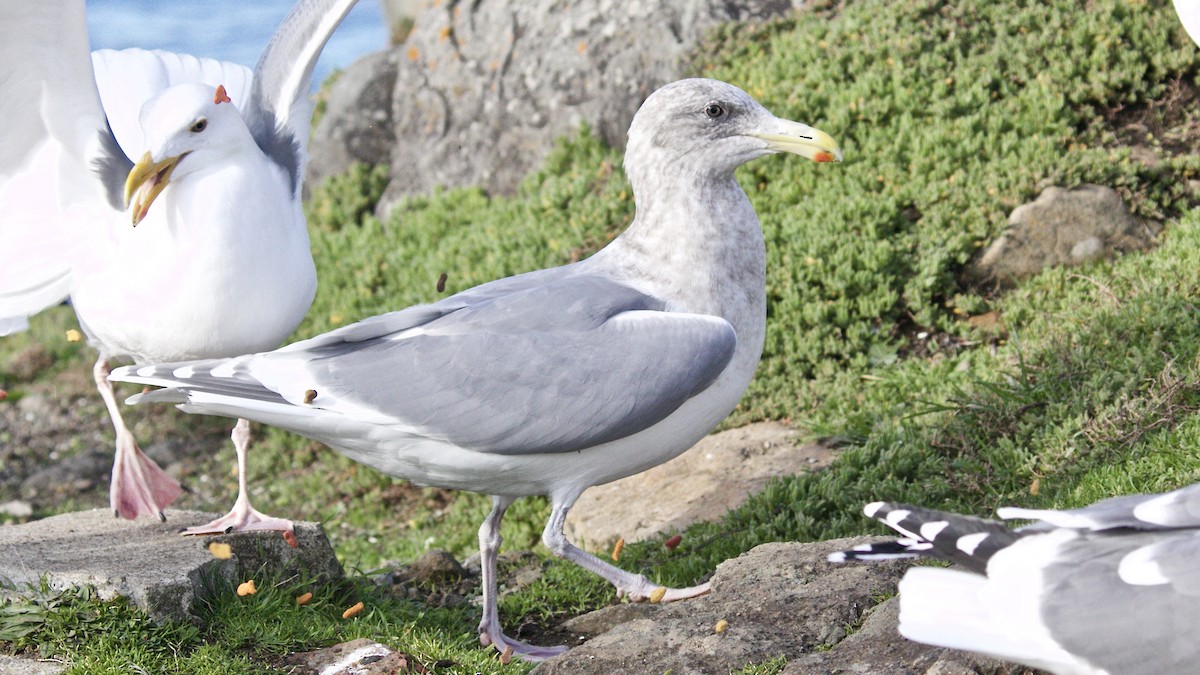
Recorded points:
(930, 530)
(969, 542)
(1139, 568)
(1160, 510)
(893, 521)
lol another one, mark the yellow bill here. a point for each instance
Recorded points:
(800, 139)
(146, 182)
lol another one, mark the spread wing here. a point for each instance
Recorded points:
(280, 108)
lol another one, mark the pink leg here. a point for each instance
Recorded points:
(636, 586)
(139, 487)
(242, 517)
(490, 632)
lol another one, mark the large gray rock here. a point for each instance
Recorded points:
(717, 475)
(149, 562)
(778, 599)
(480, 91)
(357, 126)
(1062, 227)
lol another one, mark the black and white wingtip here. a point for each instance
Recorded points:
(967, 540)
(897, 549)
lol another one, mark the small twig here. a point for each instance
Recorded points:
(1099, 286)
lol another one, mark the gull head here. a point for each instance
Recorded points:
(187, 127)
(710, 128)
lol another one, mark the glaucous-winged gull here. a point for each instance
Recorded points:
(549, 382)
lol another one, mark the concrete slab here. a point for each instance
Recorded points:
(149, 562)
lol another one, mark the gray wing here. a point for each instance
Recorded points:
(1179, 508)
(280, 110)
(556, 367)
(417, 315)
(1092, 610)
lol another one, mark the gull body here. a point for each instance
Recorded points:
(550, 382)
(160, 193)
(1108, 588)
(242, 278)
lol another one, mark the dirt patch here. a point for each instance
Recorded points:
(56, 446)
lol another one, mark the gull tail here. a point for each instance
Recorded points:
(222, 387)
(221, 383)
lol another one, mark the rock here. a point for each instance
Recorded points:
(16, 508)
(517, 570)
(357, 126)
(20, 665)
(1062, 227)
(779, 599)
(434, 568)
(716, 475)
(435, 579)
(604, 619)
(399, 11)
(878, 648)
(147, 561)
(357, 657)
(482, 90)
(27, 364)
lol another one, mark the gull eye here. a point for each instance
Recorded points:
(714, 110)
(200, 125)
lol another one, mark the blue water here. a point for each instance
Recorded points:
(230, 30)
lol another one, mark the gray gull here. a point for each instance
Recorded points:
(549, 382)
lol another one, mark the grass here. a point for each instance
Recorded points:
(950, 115)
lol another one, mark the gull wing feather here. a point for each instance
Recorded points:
(1175, 509)
(59, 161)
(503, 376)
(280, 107)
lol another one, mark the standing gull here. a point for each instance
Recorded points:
(550, 382)
(1108, 588)
(212, 257)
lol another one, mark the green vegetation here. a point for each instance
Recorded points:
(950, 115)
